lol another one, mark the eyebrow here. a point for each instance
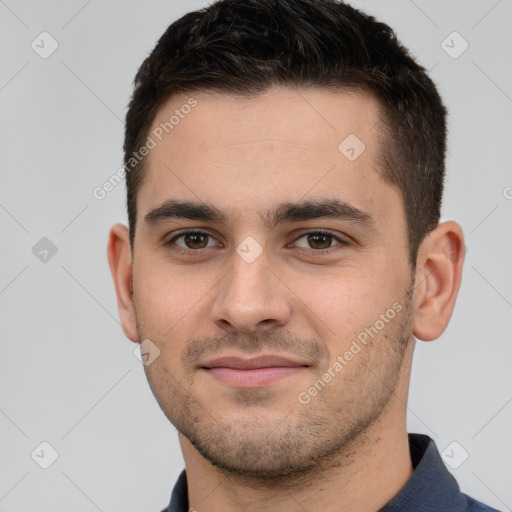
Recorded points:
(283, 212)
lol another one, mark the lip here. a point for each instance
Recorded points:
(260, 371)
(251, 363)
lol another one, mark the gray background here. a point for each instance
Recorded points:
(68, 374)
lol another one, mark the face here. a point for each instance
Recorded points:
(271, 271)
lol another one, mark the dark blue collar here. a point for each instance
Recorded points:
(430, 488)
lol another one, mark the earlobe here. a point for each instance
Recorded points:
(120, 261)
(438, 278)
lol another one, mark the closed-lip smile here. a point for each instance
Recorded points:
(252, 372)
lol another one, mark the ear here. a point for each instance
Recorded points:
(119, 255)
(438, 277)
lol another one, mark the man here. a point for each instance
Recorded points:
(284, 166)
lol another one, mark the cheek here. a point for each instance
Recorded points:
(166, 295)
(343, 303)
(166, 309)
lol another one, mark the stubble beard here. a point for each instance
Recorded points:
(278, 446)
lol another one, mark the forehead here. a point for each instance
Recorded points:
(246, 154)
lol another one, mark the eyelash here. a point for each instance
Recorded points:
(317, 252)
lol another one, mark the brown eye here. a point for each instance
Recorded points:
(196, 240)
(318, 240)
(192, 241)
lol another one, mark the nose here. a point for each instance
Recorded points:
(251, 297)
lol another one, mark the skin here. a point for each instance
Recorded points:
(305, 297)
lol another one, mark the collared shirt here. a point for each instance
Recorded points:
(431, 487)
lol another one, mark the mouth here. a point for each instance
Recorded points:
(253, 372)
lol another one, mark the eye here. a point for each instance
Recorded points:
(192, 242)
(187, 241)
(319, 240)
